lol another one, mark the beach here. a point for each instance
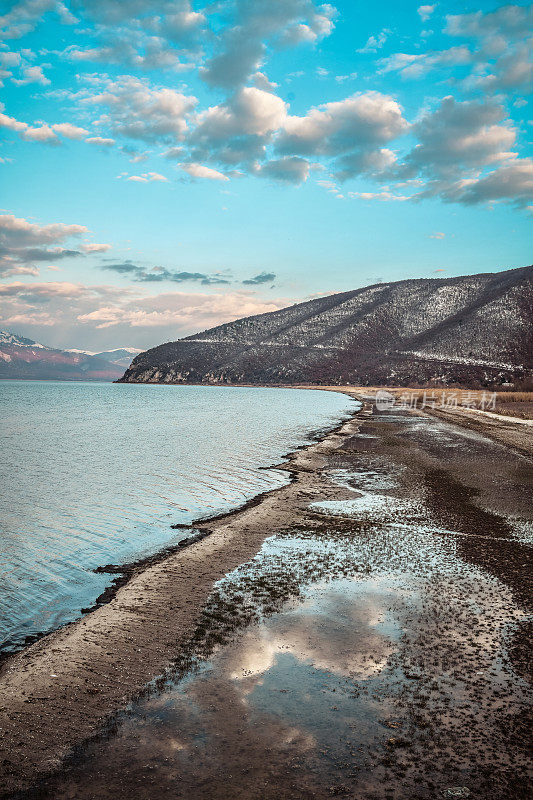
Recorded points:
(406, 531)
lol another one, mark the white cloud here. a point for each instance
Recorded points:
(181, 312)
(8, 269)
(94, 247)
(147, 177)
(384, 196)
(173, 153)
(180, 25)
(261, 81)
(464, 155)
(507, 20)
(42, 133)
(123, 311)
(437, 235)
(342, 78)
(24, 243)
(201, 171)
(367, 118)
(512, 70)
(119, 52)
(510, 182)
(24, 16)
(17, 230)
(132, 47)
(456, 135)
(374, 43)
(252, 130)
(175, 15)
(352, 130)
(69, 130)
(101, 141)
(289, 169)
(365, 161)
(425, 12)
(238, 130)
(139, 111)
(10, 59)
(500, 57)
(411, 65)
(12, 124)
(285, 23)
(504, 41)
(45, 291)
(249, 111)
(32, 74)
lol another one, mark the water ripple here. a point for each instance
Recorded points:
(97, 473)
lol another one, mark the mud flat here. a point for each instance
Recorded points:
(360, 633)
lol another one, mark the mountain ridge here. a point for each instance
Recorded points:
(22, 358)
(468, 328)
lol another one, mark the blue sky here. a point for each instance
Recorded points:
(167, 166)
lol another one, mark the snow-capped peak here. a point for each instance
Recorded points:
(131, 350)
(81, 352)
(19, 341)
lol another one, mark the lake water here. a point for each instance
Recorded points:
(94, 473)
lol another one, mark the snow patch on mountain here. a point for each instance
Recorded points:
(19, 341)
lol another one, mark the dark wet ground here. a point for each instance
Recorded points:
(376, 649)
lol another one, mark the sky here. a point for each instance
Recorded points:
(169, 166)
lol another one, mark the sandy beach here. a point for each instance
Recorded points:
(419, 521)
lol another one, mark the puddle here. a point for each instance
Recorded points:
(308, 675)
(369, 502)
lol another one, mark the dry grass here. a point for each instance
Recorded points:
(508, 403)
(515, 397)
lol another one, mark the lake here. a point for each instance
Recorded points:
(94, 473)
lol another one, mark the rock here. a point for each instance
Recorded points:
(457, 791)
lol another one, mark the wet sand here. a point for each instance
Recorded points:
(367, 638)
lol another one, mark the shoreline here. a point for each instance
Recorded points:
(126, 570)
(71, 672)
(56, 693)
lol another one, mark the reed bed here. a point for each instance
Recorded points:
(507, 402)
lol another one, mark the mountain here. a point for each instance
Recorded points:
(24, 358)
(471, 329)
(123, 356)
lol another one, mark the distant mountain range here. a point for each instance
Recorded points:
(123, 356)
(24, 358)
(476, 328)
